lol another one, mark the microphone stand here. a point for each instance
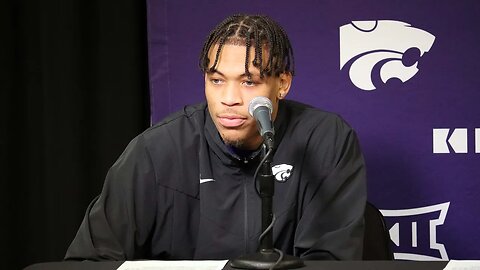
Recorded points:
(267, 257)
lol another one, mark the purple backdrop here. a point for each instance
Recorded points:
(418, 136)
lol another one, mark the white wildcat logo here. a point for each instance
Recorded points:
(373, 47)
(282, 172)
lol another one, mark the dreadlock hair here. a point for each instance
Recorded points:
(251, 30)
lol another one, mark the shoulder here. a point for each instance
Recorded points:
(313, 118)
(322, 132)
(325, 136)
(182, 128)
(191, 114)
(179, 125)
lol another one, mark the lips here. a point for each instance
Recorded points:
(231, 120)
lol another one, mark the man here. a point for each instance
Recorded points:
(184, 188)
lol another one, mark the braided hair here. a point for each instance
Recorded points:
(251, 30)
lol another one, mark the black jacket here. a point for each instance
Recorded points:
(178, 192)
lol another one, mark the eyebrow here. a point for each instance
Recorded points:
(252, 74)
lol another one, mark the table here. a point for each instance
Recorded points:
(310, 265)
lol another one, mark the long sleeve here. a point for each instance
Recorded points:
(117, 222)
(332, 225)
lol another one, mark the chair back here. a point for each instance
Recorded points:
(376, 243)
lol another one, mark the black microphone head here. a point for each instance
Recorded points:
(261, 109)
(258, 102)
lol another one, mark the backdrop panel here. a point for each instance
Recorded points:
(404, 74)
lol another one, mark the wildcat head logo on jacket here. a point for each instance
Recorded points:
(282, 172)
(378, 51)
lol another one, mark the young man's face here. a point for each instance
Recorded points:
(228, 91)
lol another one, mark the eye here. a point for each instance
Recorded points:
(216, 81)
(249, 83)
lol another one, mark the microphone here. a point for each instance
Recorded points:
(267, 257)
(261, 109)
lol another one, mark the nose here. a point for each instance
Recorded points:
(231, 95)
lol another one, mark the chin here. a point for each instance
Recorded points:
(234, 143)
(232, 140)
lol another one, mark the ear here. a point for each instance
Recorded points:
(285, 81)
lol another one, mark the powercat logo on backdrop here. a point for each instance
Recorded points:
(414, 232)
(377, 51)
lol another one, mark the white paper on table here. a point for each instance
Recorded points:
(173, 265)
(462, 265)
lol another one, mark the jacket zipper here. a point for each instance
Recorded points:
(245, 213)
(245, 206)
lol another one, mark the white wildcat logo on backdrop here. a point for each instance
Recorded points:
(381, 44)
(282, 172)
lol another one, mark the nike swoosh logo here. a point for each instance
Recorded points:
(206, 180)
